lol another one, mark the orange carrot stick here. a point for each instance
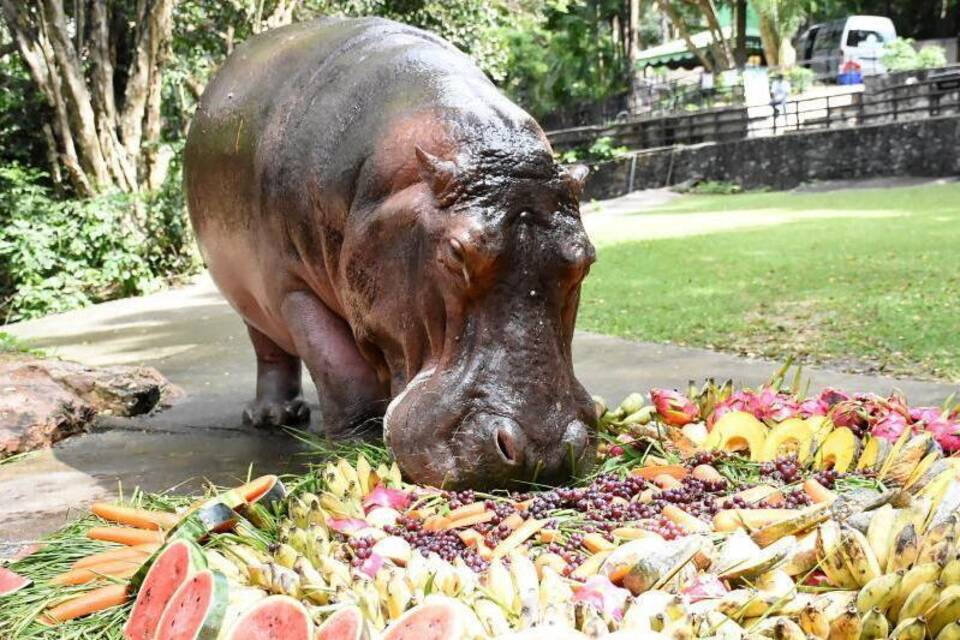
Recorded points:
(129, 536)
(120, 553)
(690, 524)
(114, 568)
(254, 490)
(133, 517)
(650, 472)
(90, 602)
(817, 492)
(731, 519)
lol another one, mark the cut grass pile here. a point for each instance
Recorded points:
(875, 294)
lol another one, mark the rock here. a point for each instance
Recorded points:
(43, 401)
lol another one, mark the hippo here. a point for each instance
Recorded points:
(374, 207)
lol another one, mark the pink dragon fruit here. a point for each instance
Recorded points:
(704, 587)
(822, 404)
(946, 432)
(604, 595)
(890, 427)
(673, 407)
(346, 525)
(383, 497)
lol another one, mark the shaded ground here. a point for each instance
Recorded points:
(193, 338)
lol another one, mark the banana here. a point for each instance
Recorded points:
(879, 592)
(589, 620)
(949, 632)
(918, 575)
(951, 572)
(334, 481)
(285, 555)
(398, 596)
(524, 575)
(939, 542)
(814, 622)
(499, 585)
(905, 548)
(679, 629)
(875, 625)
(847, 625)
(945, 611)
(831, 561)
(555, 600)
(312, 584)
(858, 556)
(920, 599)
(297, 510)
(909, 629)
(363, 475)
(880, 532)
(350, 475)
(491, 617)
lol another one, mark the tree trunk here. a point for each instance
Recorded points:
(770, 40)
(681, 28)
(633, 52)
(740, 52)
(725, 58)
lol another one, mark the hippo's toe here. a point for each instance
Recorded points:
(267, 414)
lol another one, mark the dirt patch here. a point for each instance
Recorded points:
(43, 401)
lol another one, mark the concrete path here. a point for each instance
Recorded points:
(195, 339)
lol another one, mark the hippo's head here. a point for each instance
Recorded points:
(488, 305)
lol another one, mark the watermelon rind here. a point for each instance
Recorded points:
(213, 619)
(195, 557)
(272, 601)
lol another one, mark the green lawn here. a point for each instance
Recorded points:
(880, 293)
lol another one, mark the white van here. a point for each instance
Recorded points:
(826, 48)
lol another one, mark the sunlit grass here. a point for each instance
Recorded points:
(879, 292)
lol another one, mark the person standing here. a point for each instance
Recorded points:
(779, 92)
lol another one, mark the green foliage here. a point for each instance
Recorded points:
(900, 55)
(56, 255)
(602, 149)
(800, 78)
(716, 188)
(21, 138)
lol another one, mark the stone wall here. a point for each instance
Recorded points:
(929, 147)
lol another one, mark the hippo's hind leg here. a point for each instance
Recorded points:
(350, 393)
(278, 401)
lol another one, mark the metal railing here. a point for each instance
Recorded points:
(935, 96)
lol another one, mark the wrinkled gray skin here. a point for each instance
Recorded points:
(373, 206)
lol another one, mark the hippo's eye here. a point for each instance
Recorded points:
(454, 259)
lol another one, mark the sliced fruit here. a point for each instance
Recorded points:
(838, 450)
(759, 563)
(440, 618)
(820, 426)
(797, 522)
(908, 458)
(875, 451)
(892, 454)
(738, 431)
(11, 582)
(170, 568)
(274, 618)
(343, 624)
(196, 609)
(750, 519)
(792, 437)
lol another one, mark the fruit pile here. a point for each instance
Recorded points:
(714, 514)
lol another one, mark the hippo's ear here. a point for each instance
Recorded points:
(576, 177)
(440, 174)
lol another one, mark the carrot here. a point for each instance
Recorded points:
(817, 492)
(129, 536)
(469, 521)
(765, 493)
(90, 602)
(732, 519)
(707, 473)
(470, 537)
(254, 490)
(594, 542)
(680, 517)
(120, 553)
(113, 568)
(513, 521)
(133, 517)
(467, 510)
(652, 471)
(518, 537)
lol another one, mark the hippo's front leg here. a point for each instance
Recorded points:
(278, 401)
(348, 388)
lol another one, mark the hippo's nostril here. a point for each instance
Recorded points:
(507, 446)
(576, 439)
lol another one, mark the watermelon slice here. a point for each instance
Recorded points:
(344, 624)
(170, 567)
(11, 582)
(274, 618)
(438, 618)
(196, 611)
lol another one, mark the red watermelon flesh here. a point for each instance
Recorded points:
(11, 582)
(171, 568)
(274, 618)
(437, 620)
(345, 624)
(196, 610)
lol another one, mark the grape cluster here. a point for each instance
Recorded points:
(456, 499)
(827, 477)
(706, 457)
(784, 468)
(361, 549)
(796, 499)
(445, 544)
(496, 529)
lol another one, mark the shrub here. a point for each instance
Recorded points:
(601, 149)
(716, 188)
(800, 78)
(57, 255)
(900, 55)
